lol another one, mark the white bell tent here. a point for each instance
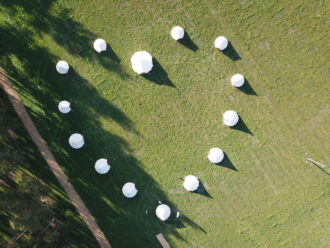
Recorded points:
(62, 67)
(129, 190)
(76, 141)
(102, 166)
(215, 155)
(142, 62)
(191, 183)
(230, 118)
(163, 212)
(221, 43)
(100, 45)
(237, 80)
(177, 33)
(64, 107)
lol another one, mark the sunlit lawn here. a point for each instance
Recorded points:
(155, 131)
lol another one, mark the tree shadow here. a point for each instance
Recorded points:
(25, 158)
(241, 126)
(79, 41)
(5, 226)
(231, 53)
(227, 163)
(7, 181)
(201, 190)
(247, 88)
(83, 95)
(188, 42)
(66, 32)
(122, 220)
(158, 75)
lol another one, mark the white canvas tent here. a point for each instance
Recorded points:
(221, 43)
(191, 183)
(215, 155)
(237, 80)
(100, 45)
(62, 67)
(142, 62)
(177, 33)
(64, 107)
(102, 166)
(163, 212)
(230, 118)
(129, 190)
(76, 141)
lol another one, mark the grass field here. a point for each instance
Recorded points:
(21, 203)
(154, 131)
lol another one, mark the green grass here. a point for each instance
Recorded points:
(153, 133)
(21, 194)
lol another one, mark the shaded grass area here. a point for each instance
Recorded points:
(262, 195)
(26, 169)
(41, 82)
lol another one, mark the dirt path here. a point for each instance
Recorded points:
(50, 159)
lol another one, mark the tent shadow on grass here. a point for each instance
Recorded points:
(226, 163)
(183, 220)
(110, 53)
(247, 88)
(231, 53)
(202, 190)
(158, 75)
(123, 221)
(241, 126)
(110, 61)
(188, 42)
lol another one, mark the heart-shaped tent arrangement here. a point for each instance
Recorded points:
(142, 63)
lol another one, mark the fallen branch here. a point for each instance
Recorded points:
(322, 167)
(14, 239)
